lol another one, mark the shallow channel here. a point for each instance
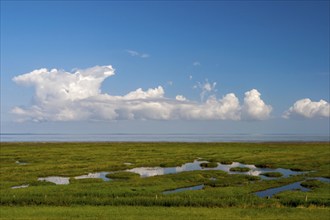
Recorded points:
(293, 186)
(198, 187)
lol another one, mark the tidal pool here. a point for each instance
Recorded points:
(196, 165)
(292, 186)
(58, 180)
(198, 187)
(100, 175)
(21, 186)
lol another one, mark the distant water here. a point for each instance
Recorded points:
(161, 137)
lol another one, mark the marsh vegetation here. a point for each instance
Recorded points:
(209, 164)
(220, 189)
(239, 169)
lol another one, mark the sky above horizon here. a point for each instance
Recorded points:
(165, 67)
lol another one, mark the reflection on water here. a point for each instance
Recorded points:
(254, 171)
(198, 187)
(101, 175)
(292, 186)
(58, 180)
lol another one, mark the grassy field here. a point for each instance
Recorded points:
(129, 196)
(141, 212)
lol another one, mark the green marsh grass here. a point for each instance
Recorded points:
(209, 165)
(239, 169)
(160, 213)
(226, 162)
(128, 189)
(312, 184)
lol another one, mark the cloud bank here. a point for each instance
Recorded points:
(65, 96)
(306, 108)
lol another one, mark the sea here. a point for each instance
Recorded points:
(13, 137)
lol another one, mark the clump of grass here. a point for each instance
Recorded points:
(264, 165)
(272, 174)
(239, 169)
(41, 183)
(122, 175)
(219, 184)
(252, 178)
(209, 165)
(169, 164)
(232, 180)
(296, 169)
(212, 160)
(311, 184)
(226, 162)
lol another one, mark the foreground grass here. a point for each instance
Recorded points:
(140, 212)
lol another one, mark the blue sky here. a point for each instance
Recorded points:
(195, 49)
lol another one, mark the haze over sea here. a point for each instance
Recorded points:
(12, 137)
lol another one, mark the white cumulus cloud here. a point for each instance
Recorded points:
(150, 93)
(254, 107)
(58, 85)
(306, 108)
(65, 96)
